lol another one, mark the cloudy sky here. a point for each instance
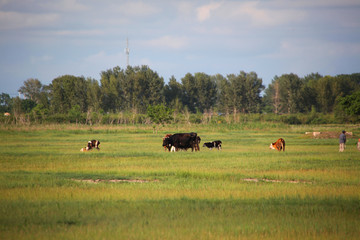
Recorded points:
(45, 39)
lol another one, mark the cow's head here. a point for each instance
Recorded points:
(167, 142)
(89, 146)
(272, 145)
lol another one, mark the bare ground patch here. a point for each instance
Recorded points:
(114, 180)
(274, 180)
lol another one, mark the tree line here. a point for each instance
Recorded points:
(134, 89)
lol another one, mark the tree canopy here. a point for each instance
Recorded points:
(138, 89)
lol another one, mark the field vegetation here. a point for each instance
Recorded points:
(132, 189)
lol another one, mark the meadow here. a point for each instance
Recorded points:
(133, 189)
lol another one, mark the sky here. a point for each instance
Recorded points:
(46, 39)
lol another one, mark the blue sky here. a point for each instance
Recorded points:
(45, 39)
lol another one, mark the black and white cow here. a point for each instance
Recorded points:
(213, 144)
(90, 145)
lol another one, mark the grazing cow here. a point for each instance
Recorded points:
(278, 145)
(181, 141)
(90, 145)
(213, 144)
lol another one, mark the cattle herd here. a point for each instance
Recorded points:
(184, 141)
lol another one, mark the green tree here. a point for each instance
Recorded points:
(27, 105)
(93, 95)
(5, 103)
(173, 94)
(351, 104)
(241, 93)
(112, 89)
(284, 94)
(253, 88)
(67, 91)
(271, 99)
(141, 87)
(17, 109)
(32, 89)
(199, 91)
(40, 113)
(159, 114)
(74, 114)
(290, 92)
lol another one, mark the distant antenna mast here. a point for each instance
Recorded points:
(127, 51)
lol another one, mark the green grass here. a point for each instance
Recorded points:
(245, 191)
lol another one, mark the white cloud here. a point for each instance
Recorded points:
(184, 8)
(168, 42)
(203, 12)
(134, 9)
(63, 6)
(261, 15)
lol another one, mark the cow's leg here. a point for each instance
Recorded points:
(173, 149)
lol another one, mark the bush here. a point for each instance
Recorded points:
(57, 118)
(290, 119)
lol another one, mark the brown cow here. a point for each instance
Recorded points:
(278, 145)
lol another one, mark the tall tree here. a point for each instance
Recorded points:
(189, 92)
(5, 103)
(253, 88)
(173, 94)
(32, 89)
(66, 92)
(241, 93)
(290, 91)
(93, 94)
(199, 91)
(143, 87)
(111, 89)
(350, 104)
(207, 91)
(284, 94)
(155, 91)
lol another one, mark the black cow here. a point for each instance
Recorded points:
(181, 141)
(197, 142)
(214, 144)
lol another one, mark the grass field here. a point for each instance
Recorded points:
(132, 189)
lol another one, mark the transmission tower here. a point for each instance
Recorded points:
(127, 51)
